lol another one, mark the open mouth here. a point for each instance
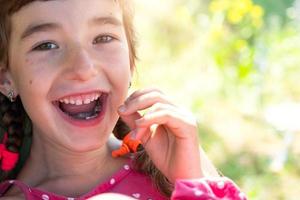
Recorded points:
(84, 111)
(83, 108)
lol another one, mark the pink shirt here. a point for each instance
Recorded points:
(139, 186)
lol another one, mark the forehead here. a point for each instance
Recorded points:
(68, 12)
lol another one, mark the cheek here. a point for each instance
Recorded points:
(33, 94)
(30, 92)
(116, 63)
(34, 79)
(117, 68)
(31, 89)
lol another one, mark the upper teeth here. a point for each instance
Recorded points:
(79, 100)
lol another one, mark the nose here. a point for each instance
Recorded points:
(82, 67)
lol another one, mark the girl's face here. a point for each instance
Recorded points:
(64, 53)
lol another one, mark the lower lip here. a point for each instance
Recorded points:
(84, 123)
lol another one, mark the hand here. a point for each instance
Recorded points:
(168, 134)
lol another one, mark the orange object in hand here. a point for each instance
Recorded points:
(128, 146)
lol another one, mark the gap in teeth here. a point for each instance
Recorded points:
(80, 100)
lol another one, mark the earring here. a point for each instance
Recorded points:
(11, 95)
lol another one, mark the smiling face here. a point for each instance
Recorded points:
(70, 52)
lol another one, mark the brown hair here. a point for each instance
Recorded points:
(14, 120)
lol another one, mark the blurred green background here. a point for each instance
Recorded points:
(234, 64)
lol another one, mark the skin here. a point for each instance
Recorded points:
(168, 133)
(83, 55)
(71, 63)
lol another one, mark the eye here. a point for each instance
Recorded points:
(103, 39)
(45, 46)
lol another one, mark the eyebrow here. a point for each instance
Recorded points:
(105, 20)
(31, 29)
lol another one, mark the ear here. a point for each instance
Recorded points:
(6, 81)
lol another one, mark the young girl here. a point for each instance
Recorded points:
(65, 71)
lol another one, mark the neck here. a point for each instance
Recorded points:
(50, 166)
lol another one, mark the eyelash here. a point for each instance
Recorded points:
(45, 46)
(103, 39)
(50, 45)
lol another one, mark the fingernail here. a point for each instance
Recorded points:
(122, 109)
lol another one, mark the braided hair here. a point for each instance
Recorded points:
(12, 127)
(15, 122)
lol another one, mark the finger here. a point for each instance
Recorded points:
(176, 122)
(158, 117)
(141, 134)
(143, 102)
(130, 119)
(161, 106)
(141, 92)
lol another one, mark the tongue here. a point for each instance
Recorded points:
(75, 109)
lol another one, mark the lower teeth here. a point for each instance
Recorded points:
(88, 115)
(85, 115)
